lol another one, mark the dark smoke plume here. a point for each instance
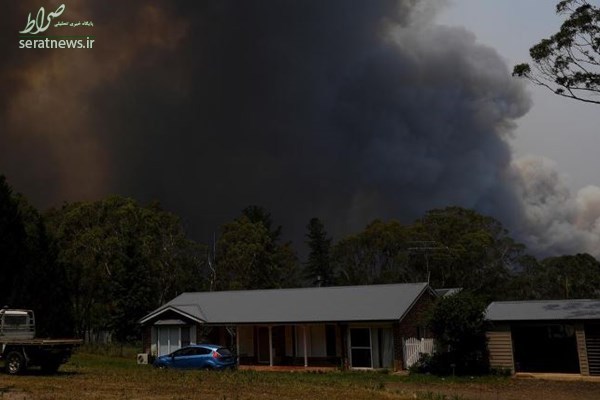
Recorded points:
(346, 110)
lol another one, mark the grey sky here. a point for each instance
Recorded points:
(563, 130)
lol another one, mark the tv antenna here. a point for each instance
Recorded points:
(426, 247)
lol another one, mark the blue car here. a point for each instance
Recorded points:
(198, 356)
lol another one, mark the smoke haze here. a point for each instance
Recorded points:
(348, 111)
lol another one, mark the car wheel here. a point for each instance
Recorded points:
(15, 363)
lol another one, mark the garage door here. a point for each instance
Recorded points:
(545, 348)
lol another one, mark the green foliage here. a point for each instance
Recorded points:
(564, 277)
(568, 63)
(572, 277)
(450, 247)
(13, 247)
(472, 251)
(376, 255)
(458, 326)
(29, 273)
(122, 260)
(423, 365)
(318, 266)
(105, 264)
(259, 215)
(43, 278)
(249, 255)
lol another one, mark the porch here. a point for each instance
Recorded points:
(320, 345)
(330, 346)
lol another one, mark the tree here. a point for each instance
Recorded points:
(526, 283)
(450, 247)
(29, 273)
(318, 265)
(568, 63)
(13, 250)
(122, 260)
(458, 326)
(43, 277)
(562, 277)
(572, 277)
(259, 215)
(241, 251)
(479, 255)
(249, 255)
(376, 255)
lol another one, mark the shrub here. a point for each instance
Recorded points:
(458, 325)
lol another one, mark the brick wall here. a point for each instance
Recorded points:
(411, 326)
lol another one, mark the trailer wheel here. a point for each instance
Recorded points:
(15, 363)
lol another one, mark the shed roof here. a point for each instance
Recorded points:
(543, 310)
(323, 304)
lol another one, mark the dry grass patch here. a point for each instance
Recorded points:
(90, 376)
(99, 376)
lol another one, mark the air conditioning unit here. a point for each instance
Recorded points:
(142, 358)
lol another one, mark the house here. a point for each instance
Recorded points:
(348, 327)
(561, 336)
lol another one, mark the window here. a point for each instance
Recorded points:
(224, 352)
(182, 352)
(201, 351)
(371, 347)
(360, 347)
(15, 320)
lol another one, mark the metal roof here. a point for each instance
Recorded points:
(322, 304)
(543, 310)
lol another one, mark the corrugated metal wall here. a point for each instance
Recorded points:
(592, 342)
(500, 347)
(581, 349)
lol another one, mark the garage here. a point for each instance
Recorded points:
(592, 344)
(546, 336)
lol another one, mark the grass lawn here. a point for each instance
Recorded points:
(95, 376)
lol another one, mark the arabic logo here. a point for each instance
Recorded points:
(39, 20)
